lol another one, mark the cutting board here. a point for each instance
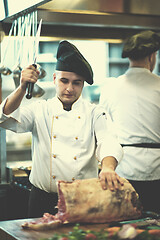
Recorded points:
(11, 230)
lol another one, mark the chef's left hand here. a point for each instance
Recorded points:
(108, 176)
(111, 178)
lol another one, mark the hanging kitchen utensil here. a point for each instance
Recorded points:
(26, 52)
(27, 46)
(15, 38)
(2, 34)
(17, 75)
(23, 49)
(31, 85)
(42, 72)
(37, 90)
(3, 69)
(17, 69)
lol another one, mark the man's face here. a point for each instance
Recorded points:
(69, 86)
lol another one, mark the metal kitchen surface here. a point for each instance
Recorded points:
(64, 18)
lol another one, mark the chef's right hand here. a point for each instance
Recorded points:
(29, 74)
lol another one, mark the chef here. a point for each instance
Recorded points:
(69, 135)
(133, 102)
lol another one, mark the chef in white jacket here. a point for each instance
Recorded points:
(133, 102)
(69, 134)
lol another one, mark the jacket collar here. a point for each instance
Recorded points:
(75, 105)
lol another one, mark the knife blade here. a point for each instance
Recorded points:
(35, 54)
(149, 219)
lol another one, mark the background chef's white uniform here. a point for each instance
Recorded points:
(133, 102)
(63, 142)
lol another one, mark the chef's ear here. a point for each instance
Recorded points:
(54, 77)
(151, 56)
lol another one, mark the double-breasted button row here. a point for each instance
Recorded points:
(54, 177)
(54, 136)
(79, 117)
(54, 156)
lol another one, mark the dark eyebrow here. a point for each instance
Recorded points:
(64, 78)
(76, 80)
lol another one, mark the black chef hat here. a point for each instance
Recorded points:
(141, 45)
(71, 60)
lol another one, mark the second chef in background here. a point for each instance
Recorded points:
(133, 102)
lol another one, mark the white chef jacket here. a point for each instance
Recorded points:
(133, 102)
(63, 142)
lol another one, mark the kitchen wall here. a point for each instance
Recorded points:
(104, 57)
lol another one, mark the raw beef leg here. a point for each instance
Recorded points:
(86, 201)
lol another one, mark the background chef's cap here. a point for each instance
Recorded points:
(71, 60)
(141, 45)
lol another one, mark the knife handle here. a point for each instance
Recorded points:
(30, 86)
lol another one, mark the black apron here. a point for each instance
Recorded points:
(142, 145)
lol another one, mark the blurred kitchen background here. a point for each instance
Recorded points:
(96, 27)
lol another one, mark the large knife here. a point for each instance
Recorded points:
(31, 85)
(149, 219)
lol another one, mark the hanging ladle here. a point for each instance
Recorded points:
(42, 72)
(37, 91)
(3, 69)
(17, 75)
